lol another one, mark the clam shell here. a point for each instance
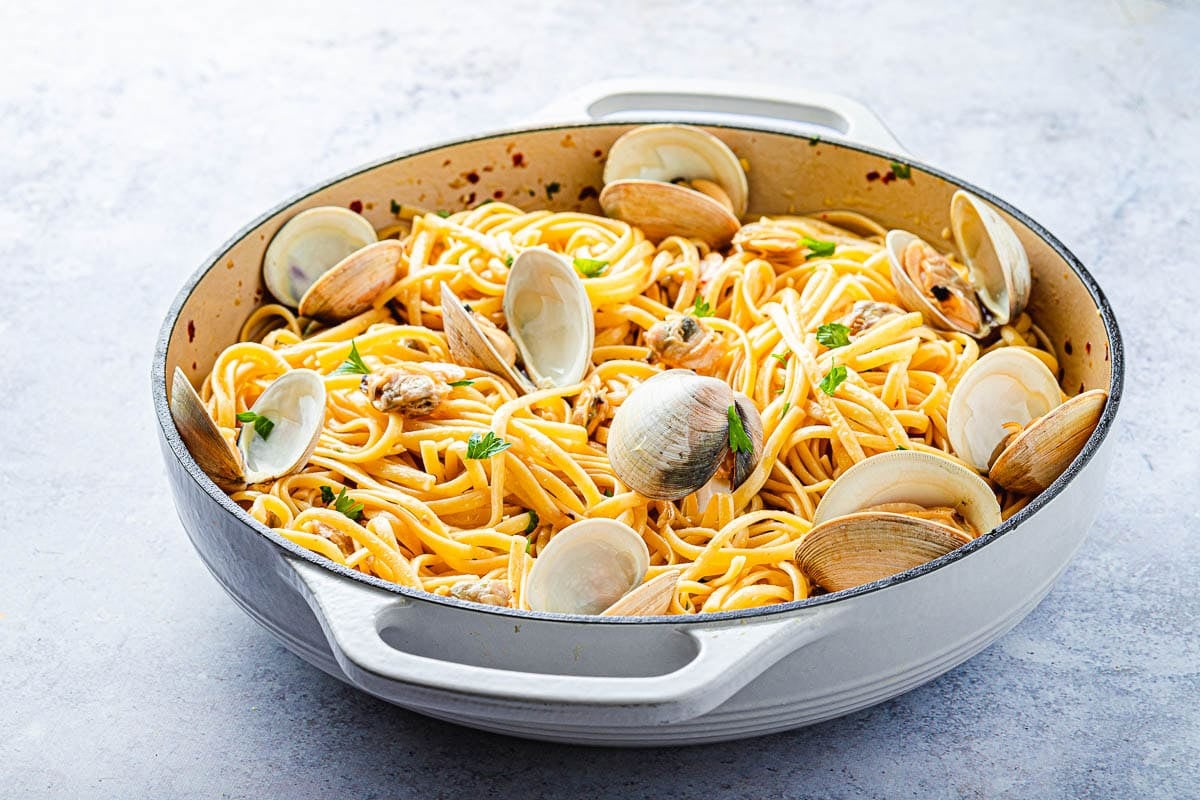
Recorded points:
(651, 599)
(309, 245)
(586, 567)
(664, 209)
(1044, 450)
(994, 256)
(471, 348)
(550, 318)
(859, 548)
(212, 451)
(910, 476)
(911, 295)
(668, 152)
(295, 402)
(1005, 385)
(351, 286)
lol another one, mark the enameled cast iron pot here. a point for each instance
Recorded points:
(664, 680)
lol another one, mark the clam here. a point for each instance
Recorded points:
(550, 322)
(671, 435)
(675, 180)
(309, 245)
(586, 567)
(351, 286)
(890, 513)
(996, 288)
(651, 599)
(295, 404)
(214, 453)
(1007, 417)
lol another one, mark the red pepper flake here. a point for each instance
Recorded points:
(1106, 351)
(356, 206)
(872, 175)
(498, 194)
(598, 154)
(518, 159)
(191, 331)
(1067, 347)
(1088, 348)
(446, 163)
(588, 192)
(889, 177)
(1081, 387)
(194, 366)
(473, 176)
(486, 168)
(229, 264)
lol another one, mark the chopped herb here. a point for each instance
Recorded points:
(833, 379)
(607, 493)
(262, 425)
(529, 545)
(443, 213)
(395, 207)
(353, 363)
(326, 495)
(782, 357)
(739, 442)
(590, 267)
(346, 505)
(817, 247)
(900, 447)
(901, 170)
(813, 141)
(508, 261)
(780, 391)
(462, 383)
(484, 202)
(833, 334)
(481, 446)
(786, 406)
(533, 522)
(701, 308)
(552, 188)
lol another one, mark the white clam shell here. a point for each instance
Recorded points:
(911, 296)
(1006, 385)
(994, 256)
(586, 567)
(295, 402)
(550, 318)
(219, 460)
(909, 476)
(309, 245)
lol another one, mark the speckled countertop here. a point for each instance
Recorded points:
(134, 140)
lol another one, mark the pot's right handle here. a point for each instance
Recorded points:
(806, 110)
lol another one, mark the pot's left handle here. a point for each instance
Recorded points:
(727, 657)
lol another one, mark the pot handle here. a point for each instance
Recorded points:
(727, 657)
(806, 110)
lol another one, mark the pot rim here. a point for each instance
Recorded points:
(1103, 428)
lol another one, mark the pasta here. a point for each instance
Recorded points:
(430, 517)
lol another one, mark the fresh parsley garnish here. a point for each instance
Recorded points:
(781, 357)
(901, 170)
(395, 207)
(353, 363)
(346, 505)
(466, 382)
(817, 247)
(443, 213)
(590, 267)
(508, 261)
(326, 495)
(813, 141)
(901, 447)
(787, 404)
(833, 334)
(552, 188)
(262, 425)
(481, 446)
(701, 308)
(833, 379)
(533, 522)
(739, 441)
(529, 545)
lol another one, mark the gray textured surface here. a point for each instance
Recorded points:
(135, 140)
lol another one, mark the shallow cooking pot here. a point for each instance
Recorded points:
(663, 680)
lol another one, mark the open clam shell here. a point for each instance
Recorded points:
(671, 435)
(309, 245)
(1044, 450)
(550, 318)
(351, 286)
(587, 567)
(471, 347)
(958, 293)
(651, 599)
(1005, 386)
(219, 459)
(664, 209)
(295, 404)
(993, 254)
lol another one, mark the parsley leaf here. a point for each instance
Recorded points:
(443, 213)
(901, 447)
(508, 261)
(701, 308)
(326, 495)
(786, 406)
(395, 207)
(817, 247)
(533, 522)
(901, 171)
(833, 334)
(813, 141)
(481, 446)
(833, 379)
(353, 363)
(782, 357)
(461, 383)
(347, 505)
(590, 267)
(739, 441)
(262, 425)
